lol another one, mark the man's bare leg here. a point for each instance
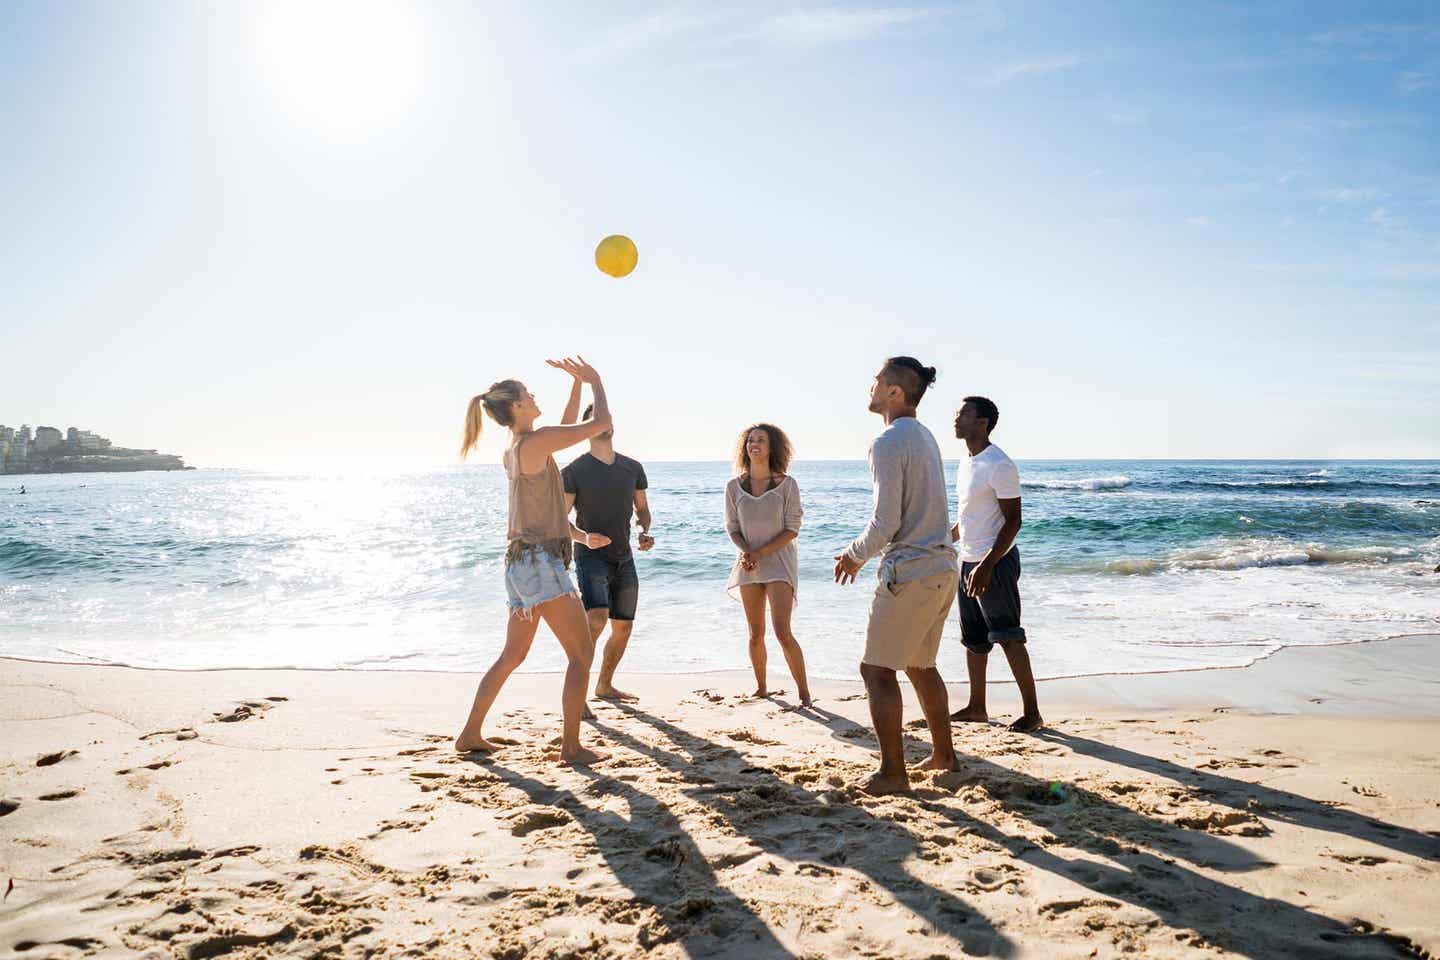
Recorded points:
(886, 712)
(566, 618)
(605, 687)
(519, 633)
(974, 711)
(1019, 659)
(935, 701)
(596, 618)
(752, 597)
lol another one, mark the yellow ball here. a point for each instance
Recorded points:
(616, 255)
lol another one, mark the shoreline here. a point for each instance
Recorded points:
(1152, 689)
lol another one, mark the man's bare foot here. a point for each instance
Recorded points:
(881, 784)
(933, 762)
(971, 715)
(1028, 723)
(609, 692)
(805, 699)
(587, 714)
(760, 694)
(580, 757)
(475, 745)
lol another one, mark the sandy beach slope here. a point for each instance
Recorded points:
(288, 813)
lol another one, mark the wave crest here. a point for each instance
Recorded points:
(1116, 482)
(1252, 554)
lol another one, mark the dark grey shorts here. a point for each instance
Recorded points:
(994, 616)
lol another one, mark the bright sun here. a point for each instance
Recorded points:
(348, 67)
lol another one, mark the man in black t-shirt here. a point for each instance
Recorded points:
(604, 487)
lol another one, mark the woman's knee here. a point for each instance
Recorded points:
(512, 657)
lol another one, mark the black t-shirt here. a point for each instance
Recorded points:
(605, 500)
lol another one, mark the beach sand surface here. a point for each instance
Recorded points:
(1288, 809)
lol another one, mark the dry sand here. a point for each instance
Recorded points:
(288, 813)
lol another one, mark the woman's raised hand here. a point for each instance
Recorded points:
(577, 368)
(568, 365)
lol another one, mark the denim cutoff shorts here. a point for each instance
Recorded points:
(534, 577)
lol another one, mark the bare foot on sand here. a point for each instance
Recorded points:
(1028, 723)
(588, 714)
(970, 715)
(881, 784)
(608, 692)
(579, 758)
(761, 693)
(475, 745)
(933, 762)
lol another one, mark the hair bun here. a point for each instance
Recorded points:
(929, 375)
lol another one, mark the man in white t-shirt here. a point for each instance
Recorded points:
(987, 488)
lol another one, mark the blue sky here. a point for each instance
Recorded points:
(296, 234)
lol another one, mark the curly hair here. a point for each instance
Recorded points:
(780, 449)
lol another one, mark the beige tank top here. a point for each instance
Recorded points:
(538, 518)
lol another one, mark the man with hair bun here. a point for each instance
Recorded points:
(918, 575)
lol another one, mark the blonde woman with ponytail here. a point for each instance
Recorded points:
(537, 560)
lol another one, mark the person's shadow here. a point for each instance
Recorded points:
(652, 856)
(1218, 914)
(762, 808)
(1266, 801)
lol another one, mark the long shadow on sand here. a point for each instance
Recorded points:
(652, 856)
(1185, 900)
(1267, 802)
(756, 802)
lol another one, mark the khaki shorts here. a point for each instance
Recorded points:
(906, 620)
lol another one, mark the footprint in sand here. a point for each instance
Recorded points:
(1065, 906)
(50, 759)
(746, 736)
(8, 807)
(62, 795)
(1358, 859)
(157, 765)
(248, 709)
(530, 821)
(1365, 790)
(181, 733)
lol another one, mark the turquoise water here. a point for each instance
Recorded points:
(1129, 566)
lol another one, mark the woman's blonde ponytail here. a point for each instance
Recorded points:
(473, 423)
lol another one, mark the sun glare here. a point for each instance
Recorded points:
(347, 67)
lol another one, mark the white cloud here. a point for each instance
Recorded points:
(1039, 67)
(636, 34)
(1198, 221)
(1287, 176)
(1130, 117)
(1384, 219)
(1413, 81)
(1349, 194)
(821, 25)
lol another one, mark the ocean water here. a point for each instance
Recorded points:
(1129, 566)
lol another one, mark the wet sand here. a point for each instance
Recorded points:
(1291, 808)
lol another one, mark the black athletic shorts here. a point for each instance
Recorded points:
(994, 616)
(607, 584)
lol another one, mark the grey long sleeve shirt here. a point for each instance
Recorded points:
(910, 528)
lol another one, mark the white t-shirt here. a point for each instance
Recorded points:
(981, 482)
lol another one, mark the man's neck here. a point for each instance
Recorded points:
(898, 414)
(977, 446)
(602, 450)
